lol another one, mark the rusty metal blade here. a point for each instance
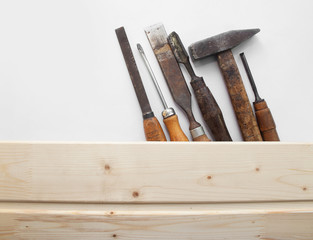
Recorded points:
(220, 42)
(157, 37)
(133, 71)
(178, 48)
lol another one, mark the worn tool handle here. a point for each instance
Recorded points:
(266, 121)
(210, 110)
(238, 95)
(153, 129)
(174, 129)
(197, 132)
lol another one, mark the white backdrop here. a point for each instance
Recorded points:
(63, 77)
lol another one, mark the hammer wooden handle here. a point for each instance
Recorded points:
(153, 129)
(265, 121)
(238, 95)
(174, 129)
(210, 110)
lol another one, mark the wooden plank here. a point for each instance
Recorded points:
(155, 172)
(248, 221)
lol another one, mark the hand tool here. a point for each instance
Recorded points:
(220, 45)
(170, 119)
(152, 127)
(263, 114)
(175, 80)
(210, 110)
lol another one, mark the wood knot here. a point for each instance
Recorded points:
(135, 194)
(304, 189)
(257, 169)
(114, 235)
(107, 167)
(111, 213)
(209, 177)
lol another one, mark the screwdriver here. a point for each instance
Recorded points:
(263, 114)
(170, 118)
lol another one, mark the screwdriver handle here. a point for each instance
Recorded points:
(266, 121)
(153, 129)
(174, 129)
(210, 110)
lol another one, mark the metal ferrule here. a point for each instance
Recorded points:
(148, 115)
(197, 132)
(168, 112)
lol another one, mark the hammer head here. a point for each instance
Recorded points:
(219, 43)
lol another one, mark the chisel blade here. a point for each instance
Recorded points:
(157, 37)
(133, 71)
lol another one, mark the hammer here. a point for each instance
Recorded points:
(221, 45)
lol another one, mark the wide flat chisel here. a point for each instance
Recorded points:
(210, 110)
(170, 118)
(263, 114)
(157, 37)
(152, 127)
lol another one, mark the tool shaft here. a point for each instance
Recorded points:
(239, 98)
(156, 84)
(250, 77)
(152, 128)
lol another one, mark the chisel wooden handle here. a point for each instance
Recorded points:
(265, 121)
(174, 129)
(153, 129)
(210, 110)
(238, 95)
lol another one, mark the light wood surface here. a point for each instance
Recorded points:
(155, 172)
(248, 221)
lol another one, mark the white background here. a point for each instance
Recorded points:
(63, 77)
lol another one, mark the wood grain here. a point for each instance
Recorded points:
(180, 172)
(265, 121)
(153, 130)
(174, 129)
(248, 221)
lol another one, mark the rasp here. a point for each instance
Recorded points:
(157, 37)
(152, 127)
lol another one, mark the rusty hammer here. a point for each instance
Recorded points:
(221, 45)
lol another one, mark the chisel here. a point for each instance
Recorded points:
(170, 118)
(210, 110)
(157, 37)
(152, 127)
(263, 114)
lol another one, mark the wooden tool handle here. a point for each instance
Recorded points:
(174, 129)
(153, 130)
(238, 95)
(265, 121)
(210, 110)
